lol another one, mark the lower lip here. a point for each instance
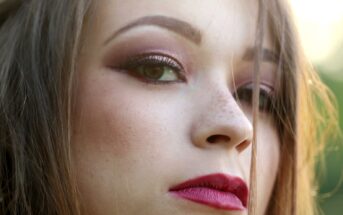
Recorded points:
(211, 197)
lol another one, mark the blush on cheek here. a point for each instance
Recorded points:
(116, 119)
(99, 123)
(103, 130)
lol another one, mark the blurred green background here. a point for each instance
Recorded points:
(331, 179)
(320, 24)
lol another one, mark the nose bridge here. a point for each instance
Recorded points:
(221, 120)
(228, 115)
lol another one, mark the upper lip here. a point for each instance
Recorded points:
(218, 181)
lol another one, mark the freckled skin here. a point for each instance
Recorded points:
(132, 141)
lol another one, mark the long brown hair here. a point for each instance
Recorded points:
(39, 44)
(305, 114)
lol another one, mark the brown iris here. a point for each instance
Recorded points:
(152, 72)
(154, 68)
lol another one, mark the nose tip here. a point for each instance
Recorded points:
(240, 142)
(227, 133)
(222, 124)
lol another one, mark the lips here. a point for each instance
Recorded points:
(219, 191)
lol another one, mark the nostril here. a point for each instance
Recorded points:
(218, 138)
(243, 145)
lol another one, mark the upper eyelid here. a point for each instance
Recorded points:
(263, 85)
(146, 56)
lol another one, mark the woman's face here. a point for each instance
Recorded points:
(156, 106)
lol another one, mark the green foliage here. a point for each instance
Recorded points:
(331, 178)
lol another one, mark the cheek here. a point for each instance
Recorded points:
(122, 125)
(268, 151)
(121, 128)
(268, 156)
(109, 112)
(117, 134)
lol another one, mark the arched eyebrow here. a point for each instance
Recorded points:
(267, 55)
(172, 24)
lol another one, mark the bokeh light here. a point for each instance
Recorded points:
(320, 26)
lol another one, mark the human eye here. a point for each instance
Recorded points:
(154, 68)
(266, 98)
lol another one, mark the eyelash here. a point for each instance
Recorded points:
(134, 67)
(266, 98)
(139, 65)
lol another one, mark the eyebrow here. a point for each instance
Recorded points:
(267, 55)
(180, 27)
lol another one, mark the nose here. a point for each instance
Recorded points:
(220, 121)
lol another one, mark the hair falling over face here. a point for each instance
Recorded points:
(302, 130)
(258, 46)
(37, 66)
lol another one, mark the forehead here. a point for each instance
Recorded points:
(180, 8)
(219, 21)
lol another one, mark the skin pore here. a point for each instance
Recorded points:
(135, 136)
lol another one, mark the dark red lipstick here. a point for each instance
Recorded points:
(220, 191)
